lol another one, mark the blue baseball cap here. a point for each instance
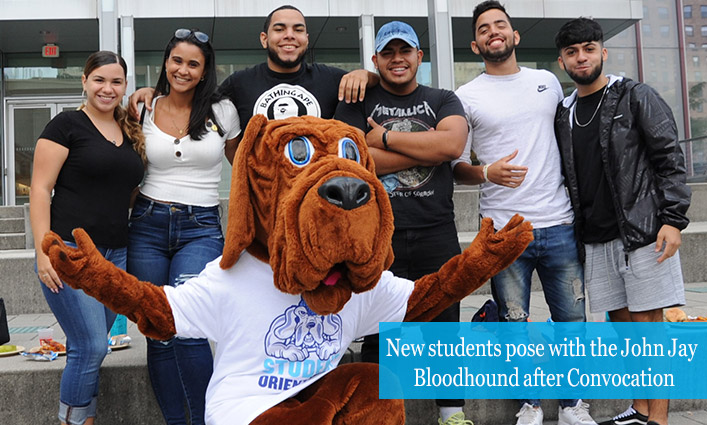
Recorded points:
(396, 30)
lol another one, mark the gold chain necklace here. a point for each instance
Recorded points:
(181, 131)
(595, 111)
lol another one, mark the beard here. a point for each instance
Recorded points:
(589, 79)
(272, 54)
(498, 56)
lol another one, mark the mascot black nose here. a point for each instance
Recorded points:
(345, 192)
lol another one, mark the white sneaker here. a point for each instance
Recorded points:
(529, 415)
(575, 415)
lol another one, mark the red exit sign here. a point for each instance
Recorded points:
(50, 51)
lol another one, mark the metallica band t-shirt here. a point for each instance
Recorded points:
(312, 90)
(420, 196)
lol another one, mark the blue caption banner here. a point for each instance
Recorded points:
(543, 360)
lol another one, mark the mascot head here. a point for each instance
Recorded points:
(305, 198)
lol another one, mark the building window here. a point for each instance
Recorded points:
(687, 12)
(689, 30)
(703, 11)
(663, 12)
(704, 45)
(696, 60)
(664, 31)
(703, 30)
(646, 29)
(693, 46)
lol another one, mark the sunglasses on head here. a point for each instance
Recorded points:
(183, 33)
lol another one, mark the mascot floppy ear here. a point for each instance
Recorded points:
(241, 217)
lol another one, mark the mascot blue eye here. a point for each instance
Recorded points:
(349, 150)
(299, 151)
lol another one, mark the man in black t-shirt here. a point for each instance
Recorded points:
(413, 132)
(285, 85)
(626, 175)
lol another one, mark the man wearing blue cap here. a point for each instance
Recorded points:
(413, 132)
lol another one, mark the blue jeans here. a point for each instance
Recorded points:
(419, 252)
(86, 323)
(553, 254)
(168, 244)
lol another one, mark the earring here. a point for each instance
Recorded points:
(83, 97)
(202, 78)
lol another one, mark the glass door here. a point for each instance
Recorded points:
(26, 120)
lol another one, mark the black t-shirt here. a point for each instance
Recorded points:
(94, 185)
(420, 196)
(596, 204)
(312, 90)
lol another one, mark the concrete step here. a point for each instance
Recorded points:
(19, 283)
(32, 387)
(12, 225)
(12, 241)
(12, 211)
(466, 208)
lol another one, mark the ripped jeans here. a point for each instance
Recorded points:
(553, 253)
(168, 244)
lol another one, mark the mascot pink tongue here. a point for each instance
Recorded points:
(332, 278)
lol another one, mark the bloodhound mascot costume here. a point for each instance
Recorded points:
(303, 273)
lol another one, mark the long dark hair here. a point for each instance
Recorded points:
(130, 127)
(205, 93)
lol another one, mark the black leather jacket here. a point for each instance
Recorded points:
(642, 160)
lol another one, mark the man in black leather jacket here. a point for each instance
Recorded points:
(626, 177)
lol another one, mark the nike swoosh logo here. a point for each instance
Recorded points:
(542, 88)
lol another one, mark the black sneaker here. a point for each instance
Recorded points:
(629, 417)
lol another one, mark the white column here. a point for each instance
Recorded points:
(108, 25)
(441, 54)
(127, 48)
(366, 39)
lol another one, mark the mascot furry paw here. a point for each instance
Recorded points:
(303, 273)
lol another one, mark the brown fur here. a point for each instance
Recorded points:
(276, 213)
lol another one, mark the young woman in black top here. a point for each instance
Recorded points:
(91, 159)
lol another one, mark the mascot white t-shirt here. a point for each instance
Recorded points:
(269, 344)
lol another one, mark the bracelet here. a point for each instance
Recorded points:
(384, 138)
(485, 171)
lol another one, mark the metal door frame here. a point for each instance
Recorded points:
(54, 104)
